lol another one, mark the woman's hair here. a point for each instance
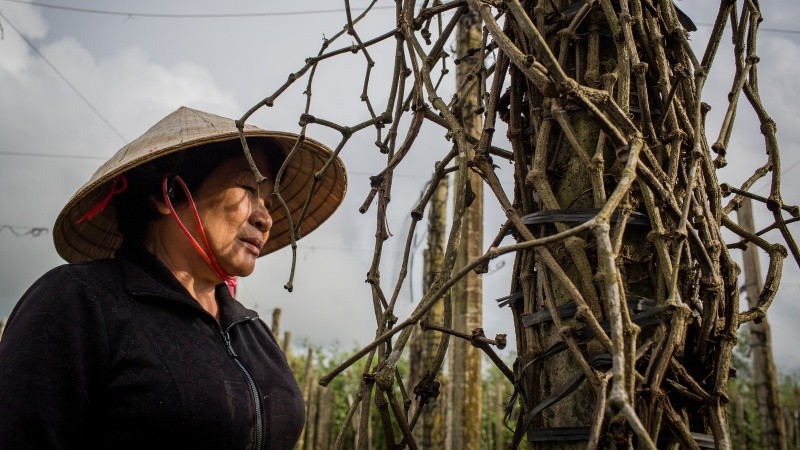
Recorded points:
(134, 206)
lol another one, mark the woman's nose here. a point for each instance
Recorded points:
(261, 217)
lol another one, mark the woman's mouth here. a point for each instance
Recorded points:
(253, 244)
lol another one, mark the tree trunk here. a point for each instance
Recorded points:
(773, 434)
(625, 329)
(429, 429)
(467, 296)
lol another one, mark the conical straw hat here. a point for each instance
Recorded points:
(185, 128)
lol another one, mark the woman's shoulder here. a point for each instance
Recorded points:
(62, 309)
(98, 273)
(70, 285)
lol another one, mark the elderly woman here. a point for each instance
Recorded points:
(139, 343)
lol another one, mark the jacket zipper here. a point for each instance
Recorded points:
(253, 391)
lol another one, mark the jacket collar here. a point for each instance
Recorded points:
(146, 275)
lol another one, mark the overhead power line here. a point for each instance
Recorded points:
(262, 14)
(51, 155)
(61, 75)
(767, 29)
(193, 16)
(103, 158)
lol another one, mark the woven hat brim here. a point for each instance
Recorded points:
(100, 237)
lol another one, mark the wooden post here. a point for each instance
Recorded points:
(3, 323)
(356, 416)
(370, 443)
(488, 401)
(741, 424)
(312, 416)
(326, 408)
(467, 294)
(287, 343)
(773, 434)
(307, 391)
(429, 430)
(498, 417)
(276, 324)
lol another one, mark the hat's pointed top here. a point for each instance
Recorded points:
(183, 128)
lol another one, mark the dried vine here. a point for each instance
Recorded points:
(611, 92)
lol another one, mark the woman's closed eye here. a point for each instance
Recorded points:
(250, 189)
(255, 192)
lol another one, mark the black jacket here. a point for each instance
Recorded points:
(116, 354)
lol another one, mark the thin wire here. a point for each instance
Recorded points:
(260, 14)
(702, 24)
(29, 231)
(58, 72)
(103, 158)
(52, 155)
(190, 16)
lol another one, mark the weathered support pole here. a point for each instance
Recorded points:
(3, 322)
(737, 406)
(307, 391)
(312, 416)
(287, 343)
(276, 324)
(467, 295)
(499, 444)
(773, 433)
(429, 430)
(326, 408)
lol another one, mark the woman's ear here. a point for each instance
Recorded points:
(160, 205)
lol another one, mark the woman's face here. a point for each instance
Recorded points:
(234, 211)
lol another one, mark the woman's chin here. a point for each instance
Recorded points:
(243, 267)
(247, 271)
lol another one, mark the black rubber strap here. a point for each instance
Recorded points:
(704, 440)
(649, 315)
(559, 434)
(600, 362)
(573, 434)
(567, 310)
(579, 215)
(509, 299)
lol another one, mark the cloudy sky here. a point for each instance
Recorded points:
(134, 70)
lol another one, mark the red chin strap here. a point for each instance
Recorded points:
(118, 185)
(208, 256)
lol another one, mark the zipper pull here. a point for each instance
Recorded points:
(227, 338)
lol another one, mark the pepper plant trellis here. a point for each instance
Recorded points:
(624, 293)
